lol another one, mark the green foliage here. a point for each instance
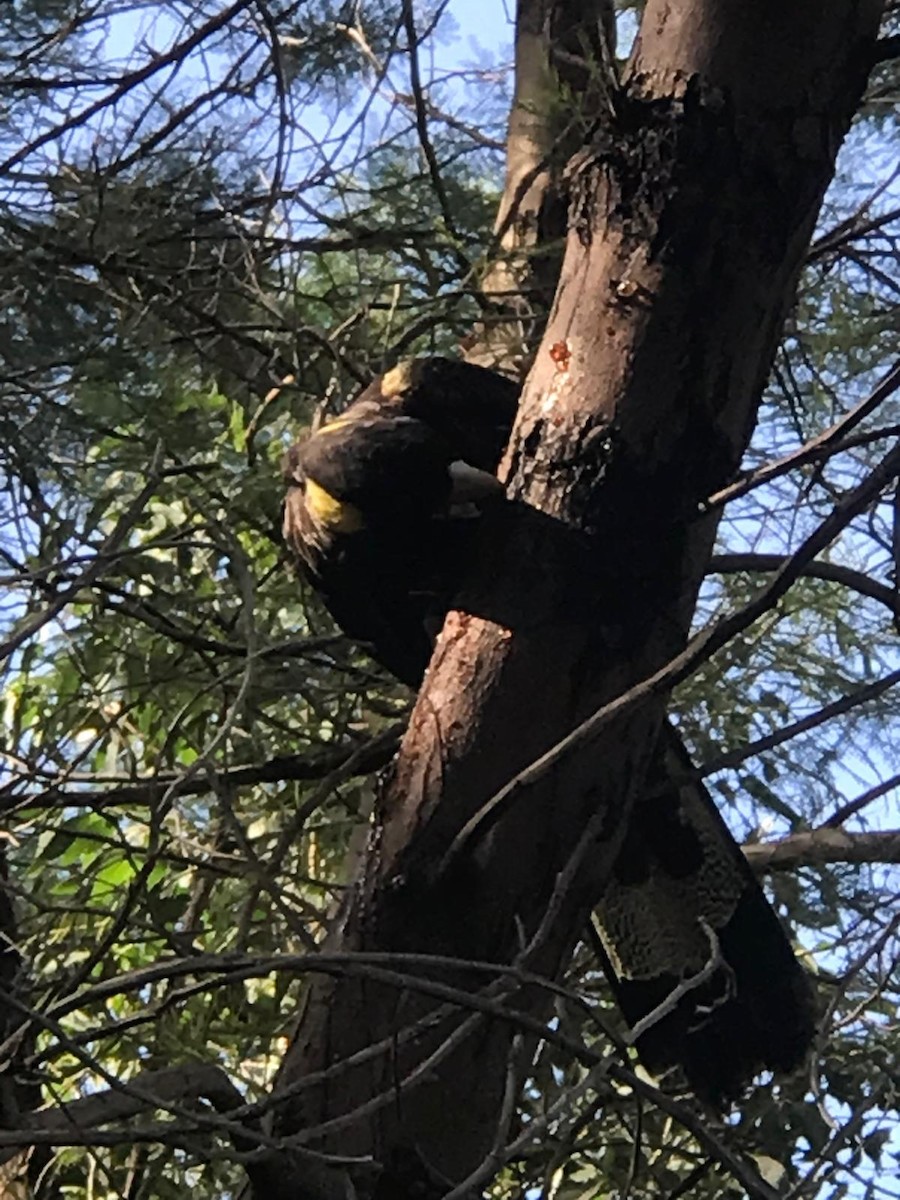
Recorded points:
(186, 277)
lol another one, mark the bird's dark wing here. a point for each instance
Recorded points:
(472, 408)
(389, 466)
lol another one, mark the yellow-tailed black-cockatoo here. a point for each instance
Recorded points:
(379, 513)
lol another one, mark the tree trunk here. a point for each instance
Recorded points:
(564, 76)
(692, 210)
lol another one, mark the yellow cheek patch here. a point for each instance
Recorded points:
(330, 512)
(400, 379)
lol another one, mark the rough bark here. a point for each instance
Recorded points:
(564, 74)
(693, 211)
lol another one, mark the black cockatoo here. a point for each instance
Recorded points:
(381, 502)
(379, 511)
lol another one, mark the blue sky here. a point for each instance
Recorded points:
(482, 28)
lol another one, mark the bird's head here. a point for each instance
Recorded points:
(327, 514)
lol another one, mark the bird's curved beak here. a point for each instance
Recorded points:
(470, 485)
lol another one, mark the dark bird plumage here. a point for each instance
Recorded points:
(682, 902)
(372, 512)
(379, 508)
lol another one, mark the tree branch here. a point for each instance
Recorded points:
(369, 756)
(815, 847)
(858, 803)
(156, 63)
(857, 581)
(871, 691)
(701, 647)
(829, 441)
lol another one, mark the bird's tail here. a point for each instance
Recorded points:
(695, 955)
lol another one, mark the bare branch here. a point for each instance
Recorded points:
(129, 82)
(857, 581)
(829, 441)
(364, 758)
(816, 847)
(858, 803)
